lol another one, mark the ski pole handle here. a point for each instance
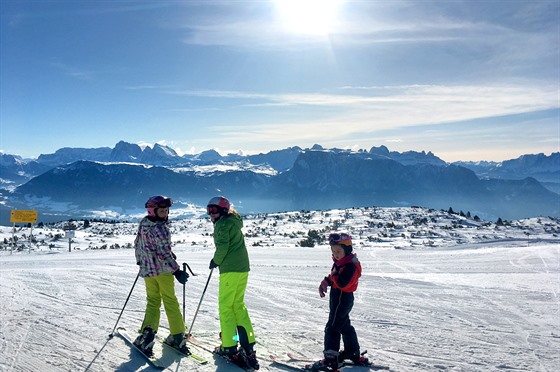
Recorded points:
(187, 265)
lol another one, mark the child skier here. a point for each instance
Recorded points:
(343, 281)
(232, 259)
(158, 266)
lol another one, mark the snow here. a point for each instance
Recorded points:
(438, 292)
(211, 169)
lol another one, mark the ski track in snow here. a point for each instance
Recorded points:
(486, 307)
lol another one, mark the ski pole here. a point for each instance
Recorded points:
(119, 318)
(187, 265)
(199, 303)
(184, 269)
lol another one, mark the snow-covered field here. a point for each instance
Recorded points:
(438, 292)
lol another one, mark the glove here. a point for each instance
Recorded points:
(181, 276)
(323, 287)
(212, 264)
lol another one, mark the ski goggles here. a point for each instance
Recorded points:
(342, 238)
(212, 209)
(165, 203)
(159, 202)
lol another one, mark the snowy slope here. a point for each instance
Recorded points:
(456, 295)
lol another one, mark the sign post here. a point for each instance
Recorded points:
(70, 230)
(24, 216)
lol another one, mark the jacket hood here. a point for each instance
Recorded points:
(232, 218)
(236, 219)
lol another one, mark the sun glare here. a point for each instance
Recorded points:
(308, 16)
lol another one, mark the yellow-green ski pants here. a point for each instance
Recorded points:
(162, 288)
(233, 312)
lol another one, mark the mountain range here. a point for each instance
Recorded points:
(80, 182)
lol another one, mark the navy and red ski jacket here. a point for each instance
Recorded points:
(345, 273)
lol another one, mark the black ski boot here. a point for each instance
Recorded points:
(145, 342)
(252, 360)
(233, 355)
(227, 352)
(178, 342)
(329, 363)
(355, 357)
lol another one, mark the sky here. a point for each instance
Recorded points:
(467, 80)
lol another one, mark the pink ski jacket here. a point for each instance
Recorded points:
(153, 249)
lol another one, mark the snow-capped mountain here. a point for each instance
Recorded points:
(77, 182)
(69, 154)
(545, 169)
(14, 170)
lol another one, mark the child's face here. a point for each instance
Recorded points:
(337, 251)
(162, 212)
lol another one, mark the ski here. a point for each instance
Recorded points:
(299, 358)
(212, 350)
(153, 361)
(200, 360)
(286, 364)
(306, 364)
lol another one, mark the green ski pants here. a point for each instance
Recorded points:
(233, 312)
(162, 288)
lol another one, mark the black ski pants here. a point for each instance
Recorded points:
(339, 324)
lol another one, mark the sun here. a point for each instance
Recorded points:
(308, 16)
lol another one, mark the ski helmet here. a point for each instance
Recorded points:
(157, 201)
(342, 239)
(219, 201)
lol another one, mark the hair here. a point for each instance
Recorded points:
(347, 249)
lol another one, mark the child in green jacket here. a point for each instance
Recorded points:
(232, 259)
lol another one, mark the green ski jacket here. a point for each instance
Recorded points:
(231, 253)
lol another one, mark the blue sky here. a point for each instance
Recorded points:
(467, 80)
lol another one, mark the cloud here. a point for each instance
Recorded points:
(397, 106)
(74, 72)
(408, 116)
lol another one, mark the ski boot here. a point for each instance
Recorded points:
(355, 357)
(232, 355)
(226, 351)
(145, 342)
(329, 363)
(252, 360)
(178, 342)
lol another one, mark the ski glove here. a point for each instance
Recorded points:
(181, 276)
(212, 264)
(323, 287)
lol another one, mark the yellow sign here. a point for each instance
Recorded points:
(23, 216)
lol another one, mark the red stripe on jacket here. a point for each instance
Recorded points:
(345, 273)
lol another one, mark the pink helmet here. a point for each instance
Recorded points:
(155, 202)
(220, 201)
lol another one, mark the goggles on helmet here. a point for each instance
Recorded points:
(342, 238)
(213, 209)
(159, 202)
